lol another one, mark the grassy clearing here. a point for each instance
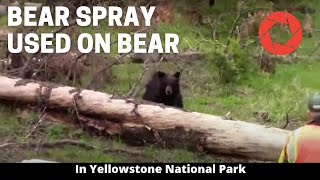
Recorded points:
(275, 94)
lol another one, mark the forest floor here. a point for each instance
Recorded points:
(261, 98)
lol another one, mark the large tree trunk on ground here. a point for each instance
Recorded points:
(150, 123)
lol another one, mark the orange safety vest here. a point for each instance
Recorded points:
(303, 146)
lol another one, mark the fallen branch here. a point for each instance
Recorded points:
(52, 144)
(36, 126)
(7, 144)
(123, 151)
(66, 142)
(287, 119)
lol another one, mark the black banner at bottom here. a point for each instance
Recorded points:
(158, 169)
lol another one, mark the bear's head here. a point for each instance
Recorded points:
(169, 83)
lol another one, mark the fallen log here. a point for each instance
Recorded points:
(142, 122)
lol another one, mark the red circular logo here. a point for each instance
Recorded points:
(284, 18)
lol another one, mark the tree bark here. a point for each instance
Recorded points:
(143, 122)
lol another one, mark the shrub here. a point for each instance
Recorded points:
(233, 65)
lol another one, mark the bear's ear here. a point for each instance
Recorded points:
(161, 74)
(177, 75)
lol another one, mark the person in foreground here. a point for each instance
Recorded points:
(303, 144)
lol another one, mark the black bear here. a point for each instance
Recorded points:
(164, 88)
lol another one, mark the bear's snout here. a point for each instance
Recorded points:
(168, 90)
